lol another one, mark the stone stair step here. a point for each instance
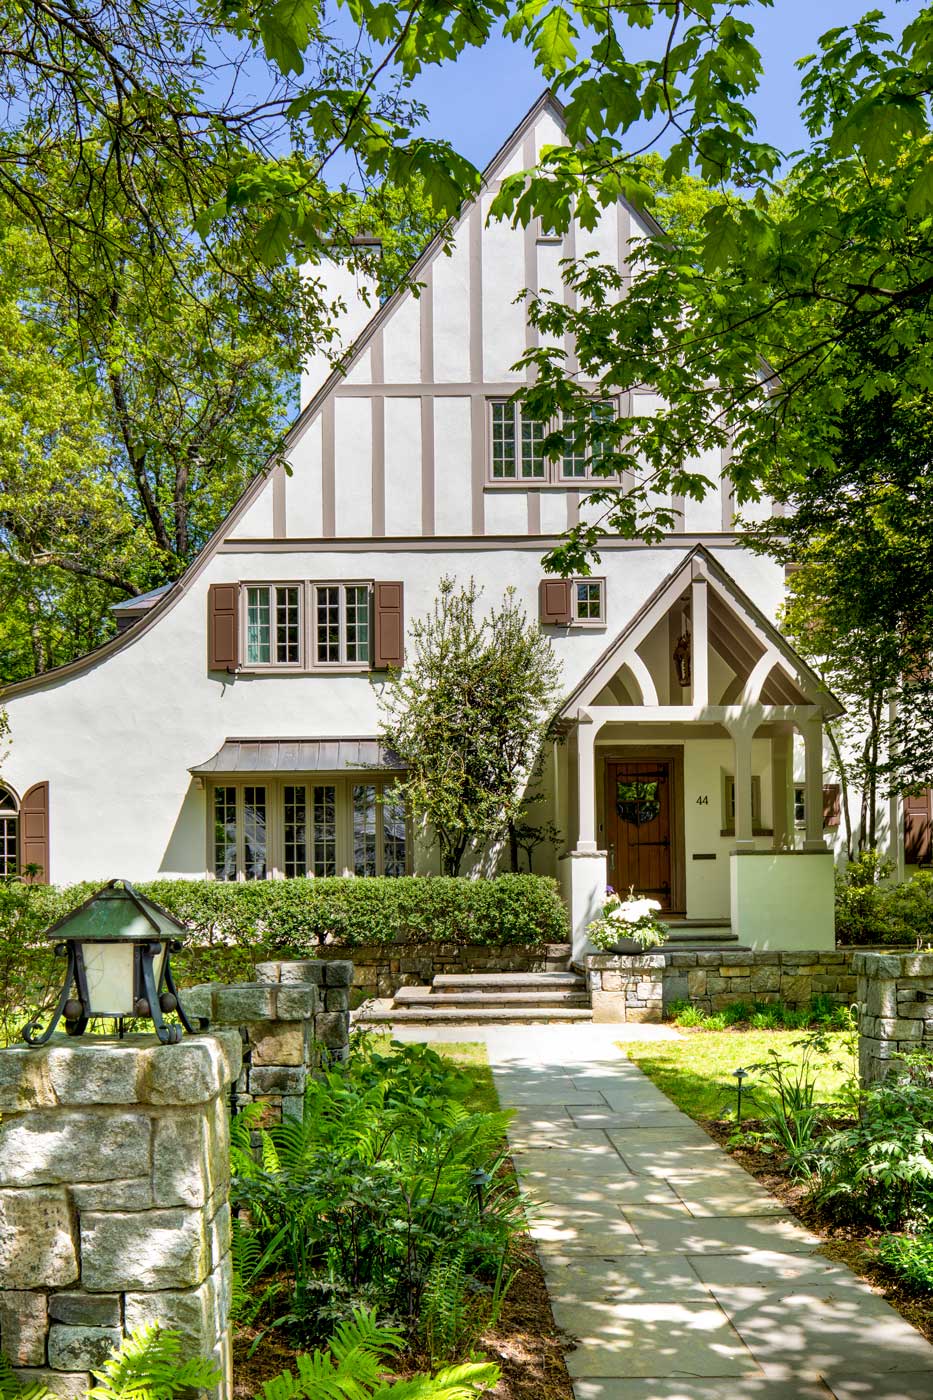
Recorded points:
(562, 997)
(468, 1016)
(446, 982)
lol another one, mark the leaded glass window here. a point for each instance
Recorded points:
(296, 830)
(588, 600)
(258, 627)
(503, 439)
(225, 833)
(357, 623)
(364, 830)
(255, 845)
(394, 837)
(324, 830)
(342, 624)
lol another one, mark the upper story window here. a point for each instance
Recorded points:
(583, 456)
(588, 600)
(342, 624)
(516, 445)
(306, 626)
(9, 833)
(273, 625)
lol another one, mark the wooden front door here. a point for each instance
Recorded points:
(638, 825)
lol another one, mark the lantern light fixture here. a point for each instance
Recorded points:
(117, 945)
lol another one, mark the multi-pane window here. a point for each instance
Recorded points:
(255, 843)
(800, 806)
(324, 830)
(306, 828)
(225, 833)
(296, 830)
(589, 600)
(273, 625)
(9, 820)
(583, 453)
(342, 624)
(394, 837)
(517, 443)
(503, 438)
(364, 829)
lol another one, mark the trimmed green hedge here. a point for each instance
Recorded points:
(232, 926)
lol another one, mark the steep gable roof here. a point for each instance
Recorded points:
(175, 591)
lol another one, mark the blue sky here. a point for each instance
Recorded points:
(475, 102)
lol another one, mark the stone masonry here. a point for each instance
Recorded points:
(380, 969)
(640, 988)
(296, 1014)
(895, 993)
(114, 1211)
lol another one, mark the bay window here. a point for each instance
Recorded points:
(307, 827)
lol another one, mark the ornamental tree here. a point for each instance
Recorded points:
(467, 718)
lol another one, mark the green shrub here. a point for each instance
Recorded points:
(383, 1197)
(232, 926)
(149, 1363)
(822, 1012)
(881, 1168)
(910, 1258)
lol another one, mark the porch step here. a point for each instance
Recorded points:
(486, 997)
(561, 996)
(447, 982)
(471, 1016)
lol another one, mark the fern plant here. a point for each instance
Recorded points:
(148, 1366)
(354, 1367)
(369, 1198)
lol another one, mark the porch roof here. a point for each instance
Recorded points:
(737, 628)
(357, 755)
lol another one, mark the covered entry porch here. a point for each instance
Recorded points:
(694, 770)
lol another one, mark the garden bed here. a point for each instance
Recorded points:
(697, 1074)
(523, 1340)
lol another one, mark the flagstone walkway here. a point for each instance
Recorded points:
(679, 1276)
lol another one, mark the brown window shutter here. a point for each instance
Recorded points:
(554, 601)
(832, 809)
(918, 828)
(223, 627)
(389, 629)
(34, 832)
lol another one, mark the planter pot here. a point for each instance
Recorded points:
(629, 948)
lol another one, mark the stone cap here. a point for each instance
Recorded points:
(892, 965)
(244, 1003)
(97, 1069)
(323, 972)
(625, 962)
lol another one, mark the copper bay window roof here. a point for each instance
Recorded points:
(299, 756)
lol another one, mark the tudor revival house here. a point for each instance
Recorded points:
(229, 729)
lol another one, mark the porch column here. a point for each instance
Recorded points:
(742, 735)
(586, 783)
(780, 794)
(812, 730)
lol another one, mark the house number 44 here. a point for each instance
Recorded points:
(703, 801)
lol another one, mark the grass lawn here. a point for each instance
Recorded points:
(697, 1070)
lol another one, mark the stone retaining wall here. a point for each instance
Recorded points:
(114, 1212)
(379, 969)
(895, 993)
(291, 1015)
(639, 988)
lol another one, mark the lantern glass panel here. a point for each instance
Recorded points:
(110, 978)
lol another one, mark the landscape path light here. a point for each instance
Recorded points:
(118, 946)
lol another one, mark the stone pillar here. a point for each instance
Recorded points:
(295, 1015)
(114, 1211)
(895, 994)
(626, 987)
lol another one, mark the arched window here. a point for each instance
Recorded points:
(9, 833)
